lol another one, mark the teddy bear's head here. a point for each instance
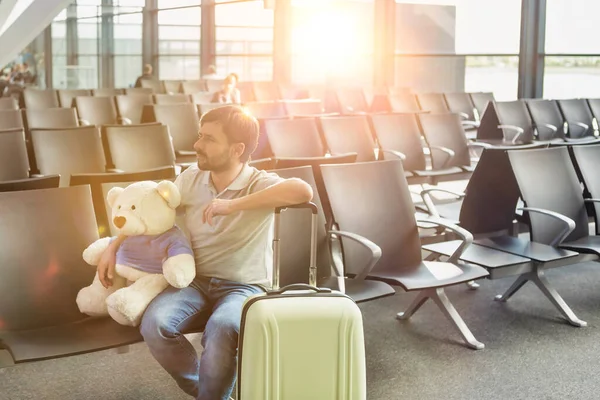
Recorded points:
(144, 208)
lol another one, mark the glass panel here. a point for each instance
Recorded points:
(179, 67)
(178, 47)
(247, 68)
(571, 77)
(182, 16)
(332, 42)
(498, 75)
(179, 32)
(177, 3)
(249, 13)
(458, 26)
(127, 69)
(246, 34)
(571, 27)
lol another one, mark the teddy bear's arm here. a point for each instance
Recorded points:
(179, 268)
(94, 251)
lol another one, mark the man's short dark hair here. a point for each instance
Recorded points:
(238, 125)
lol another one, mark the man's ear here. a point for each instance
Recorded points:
(238, 149)
(168, 191)
(112, 195)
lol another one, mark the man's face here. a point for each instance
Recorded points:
(213, 149)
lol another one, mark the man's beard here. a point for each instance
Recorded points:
(216, 163)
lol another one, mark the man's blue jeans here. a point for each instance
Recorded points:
(177, 310)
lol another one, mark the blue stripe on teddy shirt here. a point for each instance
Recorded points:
(148, 252)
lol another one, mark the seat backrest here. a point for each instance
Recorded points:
(433, 102)
(303, 107)
(266, 109)
(44, 233)
(461, 103)
(515, 113)
(97, 110)
(140, 90)
(491, 195)
(39, 99)
(262, 163)
(404, 103)
(43, 182)
(547, 179)
(96, 182)
(294, 137)
(446, 130)
(172, 98)
(8, 103)
(574, 111)
(295, 235)
(214, 85)
(481, 100)
(67, 151)
(206, 107)
(246, 89)
(349, 134)
(401, 132)
(107, 92)
(67, 97)
(546, 112)
(14, 163)
(182, 121)
(202, 98)
(593, 103)
(131, 106)
(153, 84)
(265, 91)
(586, 162)
(191, 87)
(380, 209)
(11, 119)
(352, 100)
(136, 148)
(173, 86)
(51, 118)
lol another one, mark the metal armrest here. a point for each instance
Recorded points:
(519, 131)
(551, 127)
(375, 250)
(84, 122)
(479, 144)
(585, 127)
(449, 153)
(426, 196)
(474, 124)
(394, 153)
(592, 200)
(465, 235)
(124, 121)
(568, 222)
(463, 115)
(115, 170)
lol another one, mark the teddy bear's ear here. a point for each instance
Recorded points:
(168, 191)
(113, 194)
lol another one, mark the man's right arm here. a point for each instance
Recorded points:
(108, 260)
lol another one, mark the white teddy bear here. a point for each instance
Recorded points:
(155, 254)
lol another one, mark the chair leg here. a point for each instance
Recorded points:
(473, 285)
(440, 298)
(518, 284)
(415, 305)
(542, 282)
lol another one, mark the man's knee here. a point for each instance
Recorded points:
(157, 325)
(222, 332)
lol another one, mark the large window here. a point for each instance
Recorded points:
(572, 62)
(332, 42)
(179, 39)
(244, 40)
(59, 50)
(127, 34)
(84, 74)
(456, 45)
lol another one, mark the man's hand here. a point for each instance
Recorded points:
(108, 260)
(217, 207)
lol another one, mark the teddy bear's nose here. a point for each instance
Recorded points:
(119, 222)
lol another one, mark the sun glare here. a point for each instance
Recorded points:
(331, 40)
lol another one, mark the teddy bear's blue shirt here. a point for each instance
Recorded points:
(148, 252)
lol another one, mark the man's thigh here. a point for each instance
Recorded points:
(178, 310)
(228, 301)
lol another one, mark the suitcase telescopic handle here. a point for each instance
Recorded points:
(299, 286)
(312, 274)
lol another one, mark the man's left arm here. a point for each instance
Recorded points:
(283, 193)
